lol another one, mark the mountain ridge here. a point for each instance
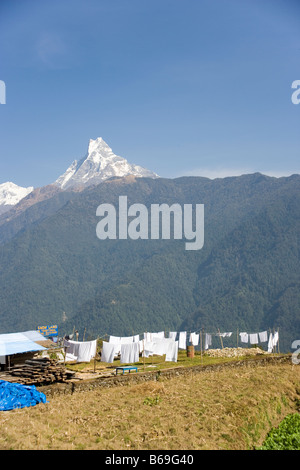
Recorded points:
(56, 264)
(99, 164)
(11, 194)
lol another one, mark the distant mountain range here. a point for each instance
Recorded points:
(54, 269)
(99, 164)
(11, 194)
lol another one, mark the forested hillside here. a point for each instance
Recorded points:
(54, 269)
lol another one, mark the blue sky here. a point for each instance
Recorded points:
(194, 87)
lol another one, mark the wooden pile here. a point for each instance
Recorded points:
(40, 371)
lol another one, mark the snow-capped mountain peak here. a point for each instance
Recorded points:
(98, 147)
(99, 164)
(11, 194)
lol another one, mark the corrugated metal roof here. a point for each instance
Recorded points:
(15, 343)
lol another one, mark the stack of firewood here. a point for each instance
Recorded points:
(40, 371)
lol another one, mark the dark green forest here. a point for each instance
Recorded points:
(54, 269)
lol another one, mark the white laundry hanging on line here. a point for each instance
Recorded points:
(172, 352)
(270, 343)
(84, 351)
(116, 340)
(108, 352)
(225, 335)
(144, 345)
(253, 338)
(147, 349)
(158, 346)
(148, 337)
(136, 338)
(119, 340)
(263, 336)
(194, 339)
(87, 351)
(161, 345)
(129, 353)
(173, 334)
(182, 340)
(160, 334)
(208, 340)
(126, 339)
(273, 340)
(71, 347)
(244, 337)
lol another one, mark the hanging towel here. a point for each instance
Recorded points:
(129, 353)
(225, 335)
(182, 340)
(207, 340)
(108, 352)
(173, 335)
(275, 338)
(87, 350)
(244, 337)
(270, 343)
(253, 338)
(71, 347)
(84, 351)
(116, 340)
(161, 345)
(263, 336)
(147, 349)
(172, 352)
(148, 337)
(126, 339)
(160, 334)
(194, 339)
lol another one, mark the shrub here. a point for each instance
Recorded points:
(286, 436)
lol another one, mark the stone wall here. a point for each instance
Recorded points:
(164, 374)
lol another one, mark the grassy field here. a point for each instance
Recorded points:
(232, 408)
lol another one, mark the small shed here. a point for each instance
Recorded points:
(19, 347)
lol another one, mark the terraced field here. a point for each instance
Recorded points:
(223, 408)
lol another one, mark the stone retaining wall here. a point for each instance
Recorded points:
(164, 374)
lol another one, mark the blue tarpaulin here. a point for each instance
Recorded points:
(15, 395)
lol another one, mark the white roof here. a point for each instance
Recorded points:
(14, 343)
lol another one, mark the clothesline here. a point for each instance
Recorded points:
(129, 347)
(194, 332)
(80, 351)
(129, 351)
(202, 330)
(193, 337)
